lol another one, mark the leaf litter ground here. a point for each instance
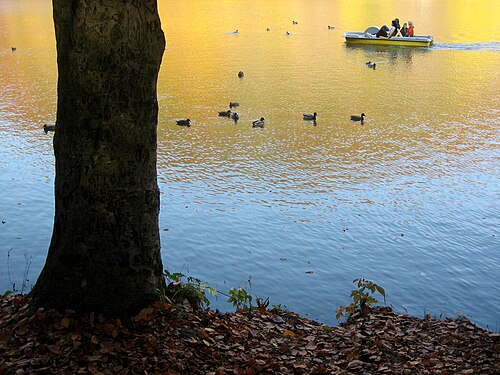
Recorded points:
(174, 339)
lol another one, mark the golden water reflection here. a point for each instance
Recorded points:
(418, 102)
(416, 99)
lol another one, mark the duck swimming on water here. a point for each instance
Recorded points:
(235, 117)
(359, 118)
(233, 104)
(184, 122)
(225, 113)
(308, 116)
(49, 128)
(258, 123)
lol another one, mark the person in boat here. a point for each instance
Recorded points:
(382, 31)
(410, 31)
(386, 32)
(404, 30)
(395, 23)
(398, 26)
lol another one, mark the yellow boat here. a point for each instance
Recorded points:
(368, 38)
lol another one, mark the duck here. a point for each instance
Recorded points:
(371, 65)
(258, 123)
(235, 117)
(308, 116)
(268, 29)
(184, 122)
(236, 32)
(241, 74)
(358, 118)
(233, 104)
(295, 23)
(331, 27)
(368, 62)
(287, 33)
(225, 113)
(13, 48)
(49, 128)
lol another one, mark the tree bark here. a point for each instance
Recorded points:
(104, 255)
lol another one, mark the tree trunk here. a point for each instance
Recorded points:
(104, 255)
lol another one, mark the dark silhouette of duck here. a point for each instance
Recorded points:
(258, 123)
(371, 65)
(233, 104)
(359, 118)
(235, 117)
(186, 122)
(295, 23)
(49, 128)
(331, 27)
(13, 49)
(225, 113)
(309, 116)
(241, 74)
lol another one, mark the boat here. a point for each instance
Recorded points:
(368, 38)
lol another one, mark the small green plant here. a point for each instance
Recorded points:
(325, 329)
(193, 289)
(240, 298)
(362, 298)
(6, 295)
(181, 287)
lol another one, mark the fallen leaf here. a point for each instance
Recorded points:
(143, 314)
(65, 322)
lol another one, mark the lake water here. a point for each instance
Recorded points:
(408, 200)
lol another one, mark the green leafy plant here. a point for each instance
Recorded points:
(6, 295)
(362, 298)
(240, 298)
(181, 288)
(193, 289)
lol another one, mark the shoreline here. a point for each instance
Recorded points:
(174, 339)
